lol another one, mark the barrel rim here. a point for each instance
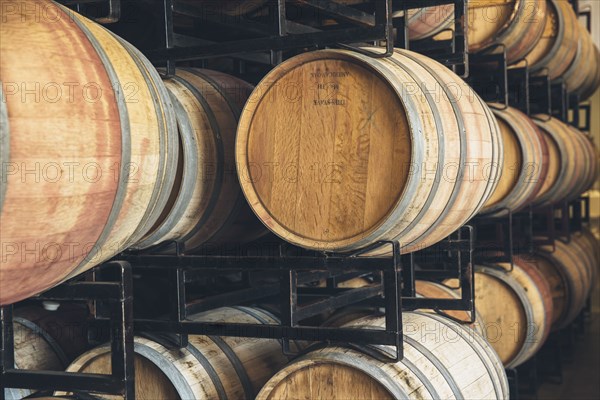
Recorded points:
(168, 139)
(186, 189)
(462, 156)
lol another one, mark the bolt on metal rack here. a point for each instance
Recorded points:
(121, 381)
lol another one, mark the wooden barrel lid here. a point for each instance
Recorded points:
(323, 150)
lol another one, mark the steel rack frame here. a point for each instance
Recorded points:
(119, 297)
(374, 25)
(392, 289)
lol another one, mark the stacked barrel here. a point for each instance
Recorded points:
(333, 151)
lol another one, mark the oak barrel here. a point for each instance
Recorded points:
(207, 205)
(86, 167)
(569, 273)
(572, 165)
(557, 47)
(210, 367)
(516, 25)
(336, 151)
(525, 164)
(582, 75)
(47, 340)
(442, 360)
(426, 22)
(516, 307)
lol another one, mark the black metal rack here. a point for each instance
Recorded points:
(393, 284)
(119, 297)
(392, 290)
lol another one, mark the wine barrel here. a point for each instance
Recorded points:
(336, 151)
(517, 309)
(516, 25)
(208, 205)
(434, 290)
(589, 160)
(525, 164)
(87, 166)
(581, 77)
(571, 163)
(569, 275)
(210, 367)
(557, 47)
(47, 340)
(426, 22)
(591, 246)
(442, 360)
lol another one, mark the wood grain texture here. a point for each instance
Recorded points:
(203, 370)
(533, 291)
(557, 47)
(337, 151)
(434, 366)
(516, 25)
(505, 313)
(79, 204)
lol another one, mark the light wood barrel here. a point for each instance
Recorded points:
(88, 165)
(525, 164)
(515, 24)
(581, 77)
(423, 23)
(442, 360)
(207, 204)
(587, 152)
(557, 47)
(46, 340)
(571, 163)
(210, 367)
(336, 151)
(517, 309)
(569, 274)
(591, 246)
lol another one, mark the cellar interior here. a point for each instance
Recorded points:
(299, 199)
